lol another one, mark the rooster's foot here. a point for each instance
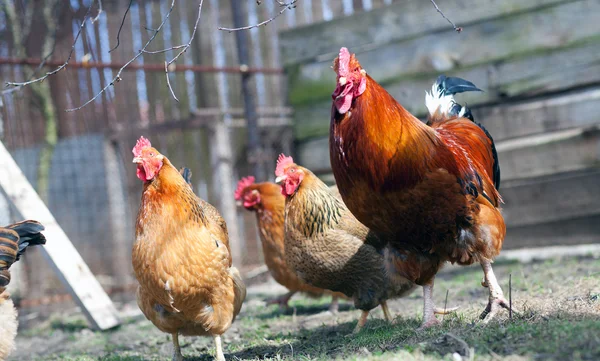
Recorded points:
(493, 307)
(431, 322)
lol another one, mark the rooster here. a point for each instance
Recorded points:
(329, 248)
(181, 256)
(267, 201)
(429, 188)
(14, 240)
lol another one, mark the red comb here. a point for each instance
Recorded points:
(242, 184)
(282, 163)
(344, 62)
(141, 144)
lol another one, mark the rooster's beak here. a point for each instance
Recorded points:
(278, 180)
(137, 160)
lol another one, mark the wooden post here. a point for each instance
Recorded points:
(223, 185)
(64, 258)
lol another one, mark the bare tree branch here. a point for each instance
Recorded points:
(183, 47)
(458, 29)
(117, 77)
(61, 67)
(99, 12)
(121, 27)
(284, 5)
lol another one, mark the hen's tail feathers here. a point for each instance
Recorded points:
(186, 173)
(239, 291)
(14, 240)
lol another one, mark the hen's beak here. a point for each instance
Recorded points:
(278, 180)
(137, 160)
(239, 203)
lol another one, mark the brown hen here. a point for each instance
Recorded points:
(181, 256)
(328, 247)
(266, 200)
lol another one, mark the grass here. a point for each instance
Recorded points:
(560, 320)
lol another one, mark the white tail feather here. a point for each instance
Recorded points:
(436, 101)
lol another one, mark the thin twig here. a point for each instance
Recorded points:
(510, 296)
(169, 81)
(285, 6)
(61, 67)
(99, 12)
(121, 27)
(445, 305)
(183, 47)
(458, 29)
(117, 77)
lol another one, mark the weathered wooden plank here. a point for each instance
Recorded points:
(401, 20)
(584, 230)
(550, 153)
(68, 264)
(506, 39)
(558, 112)
(533, 156)
(551, 199)
(521, 78)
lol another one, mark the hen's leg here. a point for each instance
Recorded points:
(282, 300)
(429, 318)
(497, 299)
(335, 305)
(219, 347)
(176, 349)
(361, 321)
(386, 311)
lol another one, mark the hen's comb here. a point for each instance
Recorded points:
(343, 62)
(242, 184)
(141, 144)
(282, 163)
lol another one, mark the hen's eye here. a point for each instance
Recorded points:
(292, 170)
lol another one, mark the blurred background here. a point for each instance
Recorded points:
(536, 60)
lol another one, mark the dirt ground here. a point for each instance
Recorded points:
(560, 320)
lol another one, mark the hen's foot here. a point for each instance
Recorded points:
(334, 307)
(176, 349)
(494, 305)
(219, 348)
(282, 300)
(361, 322)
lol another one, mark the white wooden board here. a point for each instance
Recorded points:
(64, 258)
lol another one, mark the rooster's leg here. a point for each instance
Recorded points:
(282, 300)
(219, 347)
(386, 311)
(429, 318)
(176, 349)
(361, 322)
(335, 305)
(497, 299)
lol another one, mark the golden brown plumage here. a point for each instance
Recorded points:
(181, 256)
(329, 248)
(266, 200)
(14, 240)
(428, 188)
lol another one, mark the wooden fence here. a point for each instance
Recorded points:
(91, 187)
(537, 61)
